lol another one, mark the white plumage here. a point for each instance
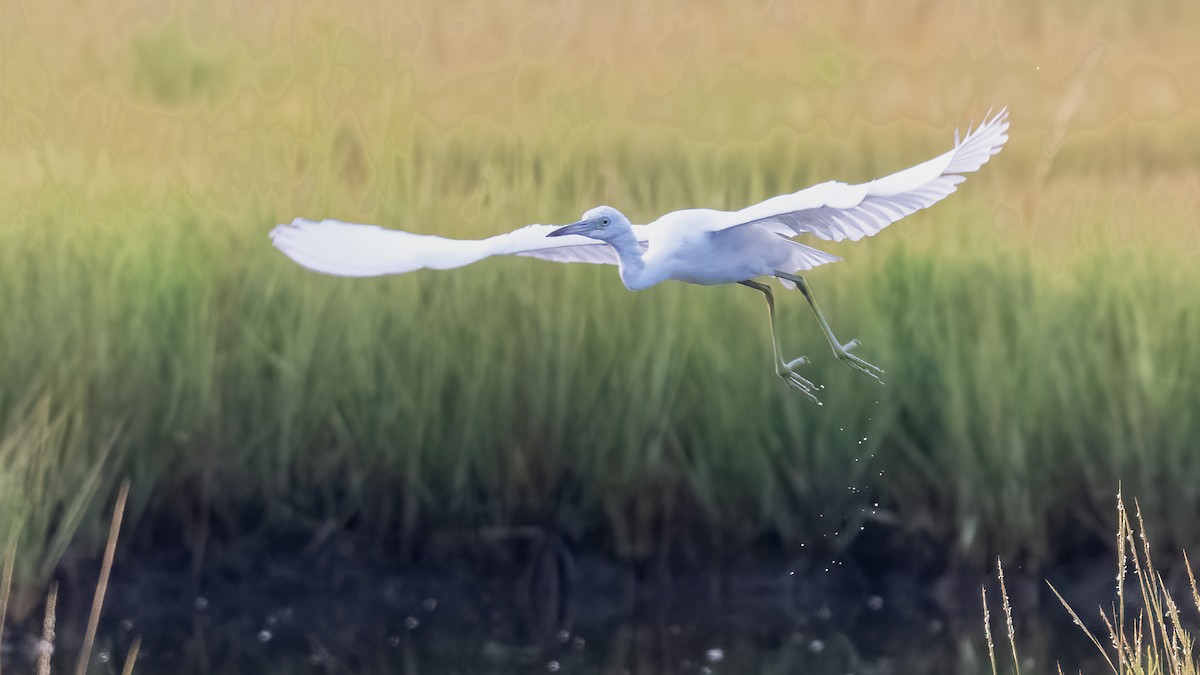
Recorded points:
(702, 246)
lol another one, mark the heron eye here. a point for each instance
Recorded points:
(604, 222)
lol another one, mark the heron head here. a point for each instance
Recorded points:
(603, 223)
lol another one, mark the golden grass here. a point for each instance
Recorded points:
(1156, 642)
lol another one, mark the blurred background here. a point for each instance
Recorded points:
(1040, 328)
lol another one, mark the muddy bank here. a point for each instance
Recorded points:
(285, 609)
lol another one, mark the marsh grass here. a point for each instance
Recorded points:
(46, 647)
(1039, 339)
(1156, 639)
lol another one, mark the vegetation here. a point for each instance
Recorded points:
(1038, 329)
(1154, 639)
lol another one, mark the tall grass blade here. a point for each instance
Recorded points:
(131, 657)
(10, 557)
(110, 549)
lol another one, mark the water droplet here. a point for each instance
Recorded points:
(411, 622)
(816, 646)
(200, 603)
(104, 655)
(875, 603)
(429, 604)
(578, 643)
(394, 641)
(265, 635)
(715, 654)
(552, 667)
(562, 636)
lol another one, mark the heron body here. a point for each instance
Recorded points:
(698, 246)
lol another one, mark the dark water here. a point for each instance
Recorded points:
(286, 621)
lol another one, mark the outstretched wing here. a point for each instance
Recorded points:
(837, 211)
(351, 250)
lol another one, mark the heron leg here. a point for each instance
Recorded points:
(841, 351)
(783, 369)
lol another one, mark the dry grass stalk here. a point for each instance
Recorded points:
(131, 657)
(1079, 622)
(987, 630)
(46, 646)
(1122, 566)
(102, 583)
(1159, 641)
(1187, 565)
(1008, 617)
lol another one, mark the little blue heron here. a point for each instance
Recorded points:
(698, 246)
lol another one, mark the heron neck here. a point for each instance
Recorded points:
(633, 266)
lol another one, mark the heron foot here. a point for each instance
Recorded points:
(796, 380)
(865, 367)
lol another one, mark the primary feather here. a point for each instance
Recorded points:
(837, 211)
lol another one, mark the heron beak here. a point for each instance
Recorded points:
(581, 227)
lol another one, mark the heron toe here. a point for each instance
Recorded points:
(796, 380)
(865, 367)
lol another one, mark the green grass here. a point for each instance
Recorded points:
(1039, 337)
(518, 392)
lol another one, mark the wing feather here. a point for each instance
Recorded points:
(353, 250)
(837, 211)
